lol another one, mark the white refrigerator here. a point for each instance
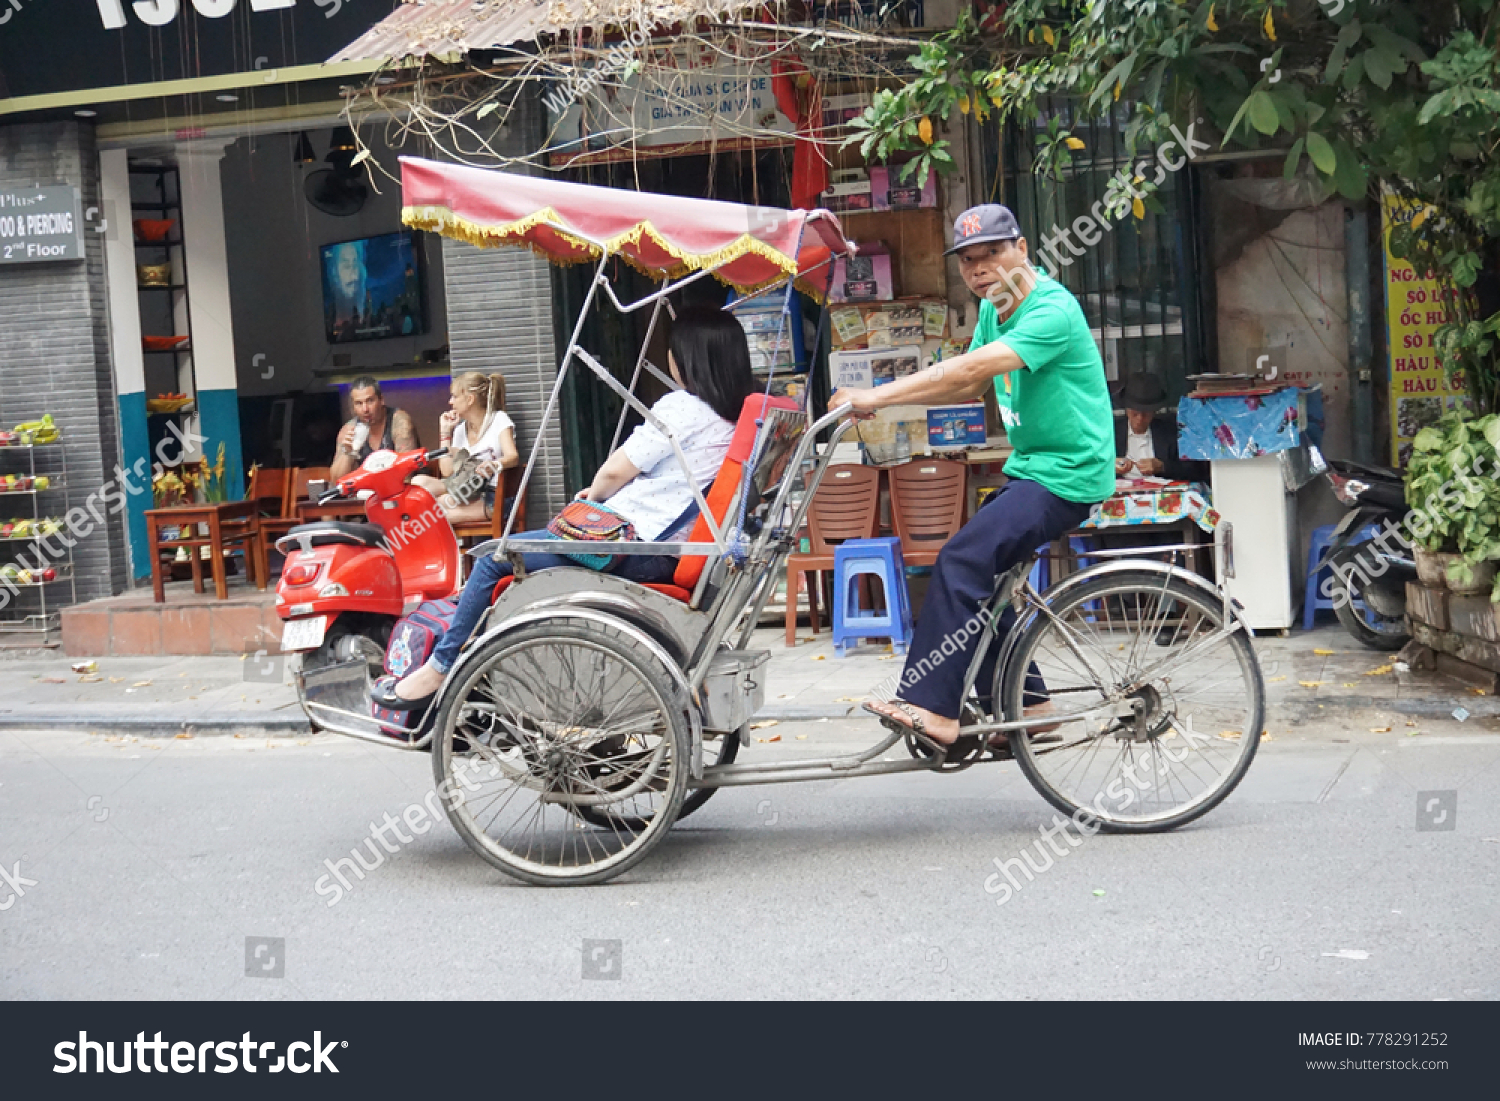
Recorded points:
(1258, 496)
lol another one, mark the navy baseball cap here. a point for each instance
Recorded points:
(981, 224)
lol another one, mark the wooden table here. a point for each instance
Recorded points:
(229, 523)
(346, 508)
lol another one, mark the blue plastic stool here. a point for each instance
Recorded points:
(1312, 598)
(882, 558)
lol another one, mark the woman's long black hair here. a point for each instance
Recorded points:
(712, 354)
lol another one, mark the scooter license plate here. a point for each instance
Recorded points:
(303, 634)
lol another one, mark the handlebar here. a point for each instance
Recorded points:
(436, 453)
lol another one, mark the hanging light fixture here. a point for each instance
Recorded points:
(304, 152)
(341, 149)
(343, 142)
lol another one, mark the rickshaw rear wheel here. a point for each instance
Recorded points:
(552, 717)
(728, 745)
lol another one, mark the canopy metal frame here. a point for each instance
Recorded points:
(725, 539)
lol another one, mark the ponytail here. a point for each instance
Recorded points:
(489, 390)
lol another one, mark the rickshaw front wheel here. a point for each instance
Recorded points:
(555, 716)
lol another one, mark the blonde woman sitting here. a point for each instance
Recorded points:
(474, 423)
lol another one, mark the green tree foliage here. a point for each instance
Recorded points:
(1360, 94)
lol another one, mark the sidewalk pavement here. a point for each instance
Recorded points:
(1306, 674)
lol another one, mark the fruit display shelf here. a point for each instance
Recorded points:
(45, 495)
(41, 483)
(26, 529)
(24, 578)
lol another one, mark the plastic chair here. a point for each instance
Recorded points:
(846, 506)
(1312, 598)
(927, 506)
(878, 558)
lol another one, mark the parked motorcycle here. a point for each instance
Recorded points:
(345, 585)
(1368, 585)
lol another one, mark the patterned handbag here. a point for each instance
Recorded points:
(584, 521)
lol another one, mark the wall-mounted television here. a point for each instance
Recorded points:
(373, 288)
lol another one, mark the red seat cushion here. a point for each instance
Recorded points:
(500, 587)
(676, 592)
(721, 493)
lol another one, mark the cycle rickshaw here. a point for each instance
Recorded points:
(589, 713)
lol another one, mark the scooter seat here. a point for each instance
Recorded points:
(325, 532)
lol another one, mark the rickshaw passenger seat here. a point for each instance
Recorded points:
(719, 498)
(724, 492)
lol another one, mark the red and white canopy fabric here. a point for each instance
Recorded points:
(747, 247)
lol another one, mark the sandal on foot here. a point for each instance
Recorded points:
(916, 728)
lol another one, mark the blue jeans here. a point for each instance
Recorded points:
(487, 572)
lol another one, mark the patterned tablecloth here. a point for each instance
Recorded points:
(1235, 426)
(1160, 505)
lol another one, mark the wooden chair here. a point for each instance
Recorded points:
(274, 528)
(846, 506)
(494, 527)
(927, 506)
(269, 487)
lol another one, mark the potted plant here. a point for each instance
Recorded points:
(1455, 500)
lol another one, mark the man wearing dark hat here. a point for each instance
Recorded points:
(1145, 443)
(1033, 345)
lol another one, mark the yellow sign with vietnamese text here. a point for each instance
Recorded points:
(1414, 304)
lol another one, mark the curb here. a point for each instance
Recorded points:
(157, 726)
(293, 723)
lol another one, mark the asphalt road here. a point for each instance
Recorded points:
(146, 864)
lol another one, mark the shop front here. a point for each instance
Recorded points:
(232, 272)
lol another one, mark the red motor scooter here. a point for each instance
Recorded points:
(345, 585)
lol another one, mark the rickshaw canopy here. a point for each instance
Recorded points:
(665, 236)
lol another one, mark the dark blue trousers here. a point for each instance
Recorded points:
(1016, 521)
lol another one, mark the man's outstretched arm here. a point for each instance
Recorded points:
(962, 378)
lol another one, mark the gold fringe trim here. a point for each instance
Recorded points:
(442, 220)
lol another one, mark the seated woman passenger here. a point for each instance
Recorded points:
(476, 423)
(641, 481)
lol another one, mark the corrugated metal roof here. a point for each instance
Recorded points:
(421, 27)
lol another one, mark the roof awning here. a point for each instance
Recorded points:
(665, 236)
(419, 28)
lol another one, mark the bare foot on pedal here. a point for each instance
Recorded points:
(929, 724)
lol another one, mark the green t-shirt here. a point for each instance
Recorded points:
(1056, 411)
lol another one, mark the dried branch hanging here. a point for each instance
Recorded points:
(703, 71)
